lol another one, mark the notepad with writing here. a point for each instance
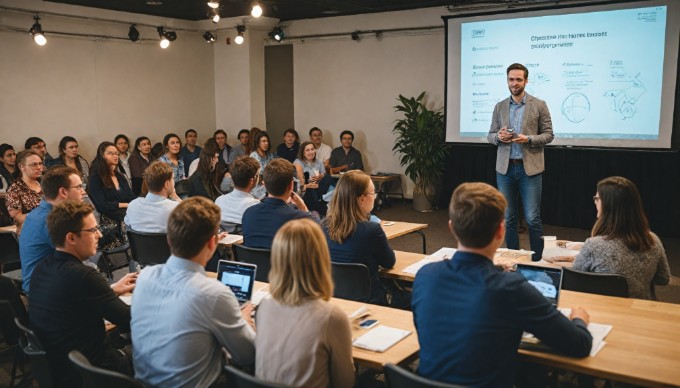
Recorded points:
(380, 339)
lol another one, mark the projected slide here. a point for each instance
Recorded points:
(601, 73)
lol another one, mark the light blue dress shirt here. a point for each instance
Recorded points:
(234, 204)
(181, 320)
(516, 114)
(149, 214)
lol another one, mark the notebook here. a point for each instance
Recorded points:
(547, 280)
(240, 277)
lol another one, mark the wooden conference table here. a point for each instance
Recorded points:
(394, 229)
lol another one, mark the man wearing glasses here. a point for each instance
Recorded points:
(69, 301)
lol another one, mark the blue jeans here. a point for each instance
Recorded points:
(516, 183)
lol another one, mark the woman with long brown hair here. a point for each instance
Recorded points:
(68, 156)
(622, 242)
(208, 177)
(352, 238)
(139, 161)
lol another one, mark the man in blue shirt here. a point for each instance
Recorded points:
(262, 221)
(190, 151)
(59, 183)
(470, 315)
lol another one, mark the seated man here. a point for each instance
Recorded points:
(262, 221)
(59, 184)
(346, 157)
(181, 319)
(150, 214)
(323, 151)
(38, 145)
(69, 300)
(244, 173)
(190, 151)
(470, 315)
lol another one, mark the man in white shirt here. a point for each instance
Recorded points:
(182, 319)
(244, 173)
(323, 151)
(150, 214)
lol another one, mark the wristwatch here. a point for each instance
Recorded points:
(529, 139)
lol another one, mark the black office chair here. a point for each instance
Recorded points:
(108, 265)
(95, 377)
(148, 248)
(11, 307)
(239, 379)
(608, 284)
(231, 227)
(401, 378)
(352, 281)
(257, 256)
(10, 264)
(32, 347)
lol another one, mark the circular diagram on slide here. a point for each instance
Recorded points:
(576, 107)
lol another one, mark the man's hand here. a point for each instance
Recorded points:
(125, 284)
(247, 314)
(298, 201)
(504, 136)
(520, 139)
(580, 313)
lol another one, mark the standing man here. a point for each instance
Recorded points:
(323, 151)
(190, 151)
(520, 127)
(346, 157)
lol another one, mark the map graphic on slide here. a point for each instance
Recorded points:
(624, 101)
(576, 107)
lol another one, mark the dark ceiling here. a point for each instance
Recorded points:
(279, 9)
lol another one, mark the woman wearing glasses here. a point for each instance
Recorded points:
(352, 238)
(25, 193)
(68, 156)
(622, 242)
(110, 194)
(303, 340)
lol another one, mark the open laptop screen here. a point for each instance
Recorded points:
(240, 277)
(547, 280)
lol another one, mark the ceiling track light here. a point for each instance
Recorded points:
(214, 4)
(240, 29)
(256, 11)
(133, 34)
(209, 37)
(37, 32)
(277, 34)
(166, 37)
(216, 16)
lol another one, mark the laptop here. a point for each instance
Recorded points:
(240, 277)
(547, 280)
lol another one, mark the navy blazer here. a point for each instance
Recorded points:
(470, 317)
(262, 221)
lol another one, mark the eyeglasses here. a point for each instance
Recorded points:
(596, 198)
(111, 153)
(82, 187)
(94, 230)
(36, 164)
(372, 194)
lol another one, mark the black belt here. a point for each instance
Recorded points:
(516, 161)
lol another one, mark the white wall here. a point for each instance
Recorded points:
(343, 84)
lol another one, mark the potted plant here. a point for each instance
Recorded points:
(420, 141)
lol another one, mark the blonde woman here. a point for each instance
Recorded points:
(352, 238)
(302, 339)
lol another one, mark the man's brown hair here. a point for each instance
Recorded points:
(277, 176)
(156, 175)
(518, 66)
(475, 211)
(242, 170)
(193, 222)
(56, 178)
(66, 217)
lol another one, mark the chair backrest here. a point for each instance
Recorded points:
(352, 281)
(239, 379)
(595, 283)
(32, 347)
(94, 377)
(401, 378)
(9, 254)
(11, 307)
(231, 227)
(258, 256)
(149, 248)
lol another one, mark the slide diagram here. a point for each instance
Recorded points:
(624, 101)
(576, 107)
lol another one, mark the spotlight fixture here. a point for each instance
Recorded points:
(277, 34)
(355, 35)
(37, 32)
(241, 28)
(216, 16)
(166, 37)
(209, 37)
(133, 34)
(214, 4)
(256, 11)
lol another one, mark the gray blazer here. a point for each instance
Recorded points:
(535, 123)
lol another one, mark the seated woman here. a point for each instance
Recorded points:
(110, 194)
(263, 156)
(352, 238)
(68, 156)
(25, 193)
(139, 161)
(172, 156)
(303, 340)
(311, 174)
(207, 179)
(621, 241)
